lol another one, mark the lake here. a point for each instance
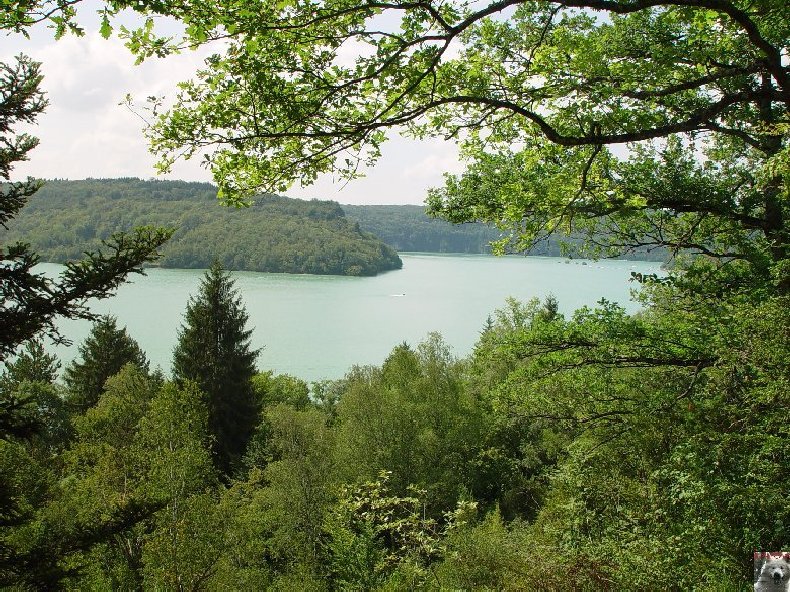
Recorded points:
(317, 327)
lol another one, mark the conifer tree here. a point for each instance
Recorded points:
(214, 351)
(28, 396)
(106, 350)
(32, 363)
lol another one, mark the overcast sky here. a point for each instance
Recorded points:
(86, 133)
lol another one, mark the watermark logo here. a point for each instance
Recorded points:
(772, 571)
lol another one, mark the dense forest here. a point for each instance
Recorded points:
(530, 465)
(597, 450)
(409, 228)
(275, 234)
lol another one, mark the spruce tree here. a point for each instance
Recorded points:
(32, 363)
(29, 401)
(106, 350)
(214, 351)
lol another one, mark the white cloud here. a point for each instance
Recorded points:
(405, 172)
(439, 157)
(86, 133)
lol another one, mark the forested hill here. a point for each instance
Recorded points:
(409, 228)
(276, 234)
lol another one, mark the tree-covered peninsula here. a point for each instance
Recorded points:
(275, 234)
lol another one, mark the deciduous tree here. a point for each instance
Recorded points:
(414, 418)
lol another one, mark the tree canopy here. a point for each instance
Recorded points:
(663, 122)
(104, 352)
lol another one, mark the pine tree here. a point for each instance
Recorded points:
(214, 351)
(106, 350)
(29, 401)
(33, 363)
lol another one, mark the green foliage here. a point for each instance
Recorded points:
(125, 501)
(213, 350)
(273, 234)
(35, 412)
(104, 352)
(184, 549)
(614, 444)
(409, 228)
(25, 485)
(188, 531)
(114, 420)
(375, 537)
(413, 418)
(106, 476)
(30, 403)
(22, 102)
(671, 427)
(491, 555)
(281, 506)
(300, 477)
(90, 497)
(271, 389)
(33, 364)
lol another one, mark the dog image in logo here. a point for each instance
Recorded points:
(774, 575)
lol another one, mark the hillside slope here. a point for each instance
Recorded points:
(409, 228)
(275, 234)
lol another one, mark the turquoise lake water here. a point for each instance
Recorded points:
(317, 327)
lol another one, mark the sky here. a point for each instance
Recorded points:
(86, 132)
